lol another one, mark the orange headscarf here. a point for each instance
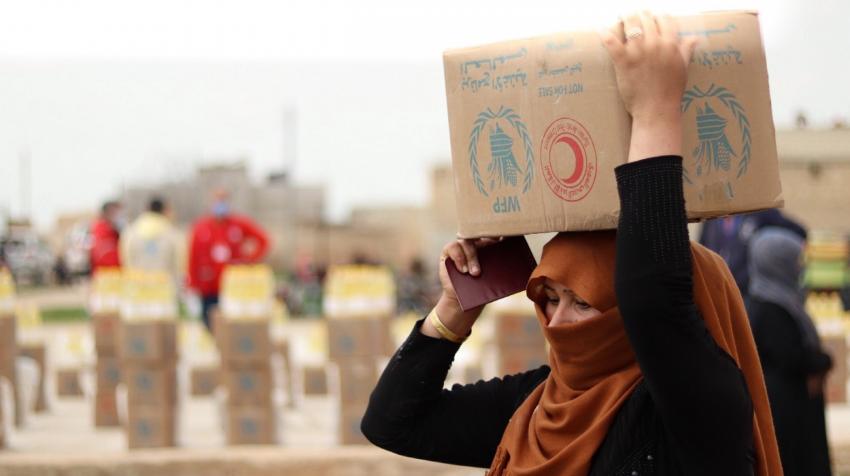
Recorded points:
(562, 423)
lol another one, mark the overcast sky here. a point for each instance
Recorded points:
(101, 94)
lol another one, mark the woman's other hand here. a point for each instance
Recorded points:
(650, 61)
(465, 257)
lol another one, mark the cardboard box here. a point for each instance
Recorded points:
(151, 426)
(537, 128)
(348, 430)
(359, 337)
(204, 380)
(107, 373)
(357, 379)
(8, 347)
(315, 380)
(148, 342)
(836, 381)
(520, 330)
(248, 385)
(105, 408)
(513, 360)
(150, 385)
(106, 333)
(251, 425)
(37, 351)
(68, 383)
(244, 342)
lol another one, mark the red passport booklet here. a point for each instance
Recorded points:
(505, 269)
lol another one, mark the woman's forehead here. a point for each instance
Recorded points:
(556, 286)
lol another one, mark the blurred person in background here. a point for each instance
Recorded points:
(152, 243)
(730, 236)
(794, 363)
(217, 240)
(105, 235)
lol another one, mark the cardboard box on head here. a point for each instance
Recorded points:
(538, 126)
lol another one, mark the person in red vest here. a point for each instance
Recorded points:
(105, 231)
(217, 240)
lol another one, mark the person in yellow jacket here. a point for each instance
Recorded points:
(152, 242)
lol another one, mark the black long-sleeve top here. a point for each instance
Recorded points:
(691, 413)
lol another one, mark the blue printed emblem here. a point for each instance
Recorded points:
(504, 130)
(716, 108)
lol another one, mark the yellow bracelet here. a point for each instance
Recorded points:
(444, 331)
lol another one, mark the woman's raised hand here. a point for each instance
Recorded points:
(464, 254)
(650, 60)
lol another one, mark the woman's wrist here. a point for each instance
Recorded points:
(656, 133)
(452, 316)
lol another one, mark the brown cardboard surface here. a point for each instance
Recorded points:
(150, 384)
(513, 360)
(315, 380)
(248, 385)
(148, 342)
(105, 408)
(204, 380)
(243, 342)
(38, 352)
(350, 416)
(106, 333)
(68, 383)
(107, 373)
(8, 347)
(251, 425)
(537, 128)
(151, 426)
(357, 379)
(359, 337)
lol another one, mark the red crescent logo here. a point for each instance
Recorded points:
(582, 177)
(579, 155)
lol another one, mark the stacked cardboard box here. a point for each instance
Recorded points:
(148, 368)
(245, 348)
(104, 305)
(243, 334)
(148, 352)
(358, 303)
(8, 337)
(8, 353)
(519, 340)
(356, 345)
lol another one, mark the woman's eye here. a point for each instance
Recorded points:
(582, 305)
(551, 300)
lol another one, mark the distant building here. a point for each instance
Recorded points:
(815, 170)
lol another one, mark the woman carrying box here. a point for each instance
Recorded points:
(652, 369)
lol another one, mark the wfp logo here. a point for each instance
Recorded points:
(507, 138)
(724, 142)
